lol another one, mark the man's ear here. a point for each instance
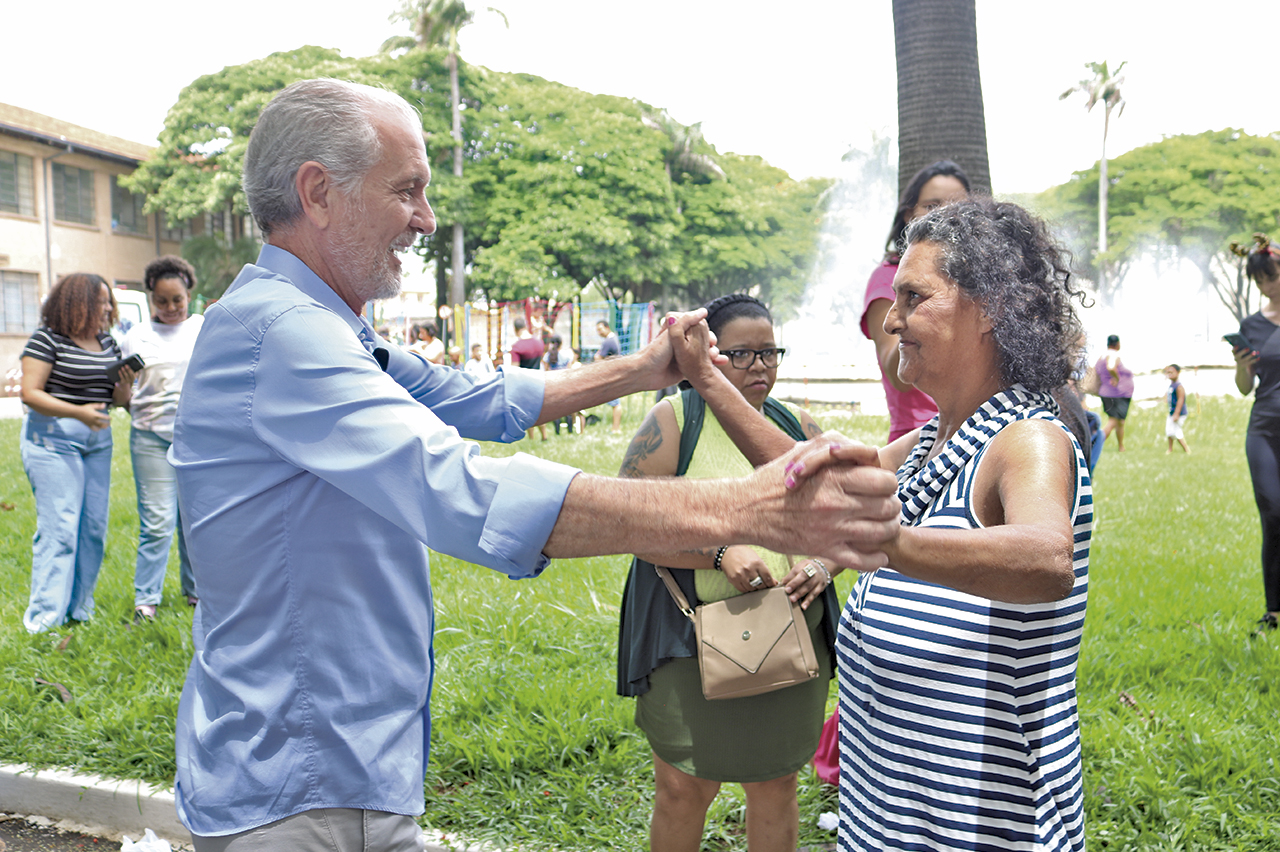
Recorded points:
(315, 192)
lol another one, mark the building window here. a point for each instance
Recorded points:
(126, 210)
(17, 184)
(177, 232)
(19, 302)
(72, 194)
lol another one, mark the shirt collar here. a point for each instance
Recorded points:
(288, 265)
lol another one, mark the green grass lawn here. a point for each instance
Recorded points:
(530, 745)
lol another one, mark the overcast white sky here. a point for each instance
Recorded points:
(798, 85)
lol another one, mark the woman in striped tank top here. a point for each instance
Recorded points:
(957, 662)
(66, 445)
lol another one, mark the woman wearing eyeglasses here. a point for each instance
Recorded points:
(760, 741)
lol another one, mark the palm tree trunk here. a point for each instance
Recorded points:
(458, 291)
(940, 114)
(1102, 203)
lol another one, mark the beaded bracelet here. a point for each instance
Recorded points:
(720, 557)
(823, 566)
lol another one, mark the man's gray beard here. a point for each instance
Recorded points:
(383, 282)
(387, 289)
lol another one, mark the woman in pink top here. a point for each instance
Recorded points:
(933, 186)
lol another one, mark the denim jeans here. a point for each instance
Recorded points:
(69, 467)
(157, 488)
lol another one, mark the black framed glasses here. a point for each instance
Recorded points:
(742, 359)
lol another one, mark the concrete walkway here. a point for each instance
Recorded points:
(110, 809)
(89, 804)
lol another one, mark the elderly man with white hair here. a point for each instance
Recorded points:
(316, 465)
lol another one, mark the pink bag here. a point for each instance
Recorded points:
(826, 761)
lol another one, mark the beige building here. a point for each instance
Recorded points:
(62, 211)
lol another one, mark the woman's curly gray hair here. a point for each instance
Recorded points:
(1004, 259)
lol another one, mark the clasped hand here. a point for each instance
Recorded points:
(693, 345)
(837, 502)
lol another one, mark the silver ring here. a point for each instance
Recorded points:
(809, 570)
(758, 581)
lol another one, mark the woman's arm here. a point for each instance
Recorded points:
(1246, 369)
(895, 454)
(755, 435)
(1024, 491)
(808, 426)
(886, 343)
(653, 367)
(655, 449)
(35, 373)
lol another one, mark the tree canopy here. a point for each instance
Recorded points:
(561, 188)
(1186, 197)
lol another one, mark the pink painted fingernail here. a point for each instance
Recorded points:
(790, 482)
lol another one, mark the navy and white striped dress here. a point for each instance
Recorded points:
(958, 724)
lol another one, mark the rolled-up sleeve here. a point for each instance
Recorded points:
(496, 407)
(522, 513)
(331, 411)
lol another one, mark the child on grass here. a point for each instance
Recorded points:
(1177, 408)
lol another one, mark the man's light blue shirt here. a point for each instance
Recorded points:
(311, 484)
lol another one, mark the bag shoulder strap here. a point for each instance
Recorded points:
(780, 414)
(695, 411)
(674, 589)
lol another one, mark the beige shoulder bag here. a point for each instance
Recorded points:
(753, 643)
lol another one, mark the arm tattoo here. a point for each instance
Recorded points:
(812, 429)
(644, 444)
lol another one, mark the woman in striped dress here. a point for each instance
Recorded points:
(66, 445)
(957, 661)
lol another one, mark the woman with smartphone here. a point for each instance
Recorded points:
(1258, 373)
(165, 344)
(66, 445)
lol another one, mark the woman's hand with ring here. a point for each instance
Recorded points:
(808, 579)
(745, 570)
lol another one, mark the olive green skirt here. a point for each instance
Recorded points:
(757, 738)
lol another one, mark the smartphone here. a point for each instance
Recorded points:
(133, 362)
(1237, 340)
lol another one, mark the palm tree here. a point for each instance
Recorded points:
(436, 23)
(682, 156)
(940, 114)
(1103, 87)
